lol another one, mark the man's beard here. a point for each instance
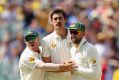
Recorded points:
(75, 40)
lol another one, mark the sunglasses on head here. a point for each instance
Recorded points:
(32, 37)
(74, 32)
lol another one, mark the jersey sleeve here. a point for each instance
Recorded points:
(45, 49)
(31, 62)
(94, 67)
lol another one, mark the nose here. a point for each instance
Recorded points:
(73, 35)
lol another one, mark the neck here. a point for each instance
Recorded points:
(76, 45)
(62, 33)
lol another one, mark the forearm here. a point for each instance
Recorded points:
(91, 73)
(54, 67)
(62, 68)
(58, 71)
(48, 66)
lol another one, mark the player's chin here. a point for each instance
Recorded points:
(74, 41)
(57, 28)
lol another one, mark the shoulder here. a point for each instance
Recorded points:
(26, 58)
(91, 49)
(47, 39)
(48, 36)
(90, 45)
(26, 53)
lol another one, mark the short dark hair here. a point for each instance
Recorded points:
(57, 10)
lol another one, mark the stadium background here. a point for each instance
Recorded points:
(101, 18)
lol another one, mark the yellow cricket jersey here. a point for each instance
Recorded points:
(116, 75)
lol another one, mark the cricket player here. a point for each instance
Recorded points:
(56, 46)
(30, 64)
(84, 54)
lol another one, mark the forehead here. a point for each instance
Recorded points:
(55, 15)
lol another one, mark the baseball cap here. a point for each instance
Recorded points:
(77, 26)
(30, 35)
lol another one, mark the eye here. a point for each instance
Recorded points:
(55, 19)
(74, 32)
(60, 18)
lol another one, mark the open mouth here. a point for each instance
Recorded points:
(32, 44)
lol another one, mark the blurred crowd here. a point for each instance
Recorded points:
(101, 18)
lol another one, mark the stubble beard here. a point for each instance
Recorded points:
(75, 40)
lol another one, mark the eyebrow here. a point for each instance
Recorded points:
(57, 17)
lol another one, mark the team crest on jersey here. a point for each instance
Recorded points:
(53, 45)
(93, 61)
(31, 59)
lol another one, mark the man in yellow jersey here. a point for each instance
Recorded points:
(116, 73)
